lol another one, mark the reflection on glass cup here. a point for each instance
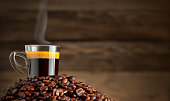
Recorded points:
(41, 60)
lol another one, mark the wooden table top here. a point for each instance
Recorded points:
(124, 86)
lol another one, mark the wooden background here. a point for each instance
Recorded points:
(104, 34)
(127, 39)
(130, 20)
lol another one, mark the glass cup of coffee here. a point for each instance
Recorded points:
(40, 60)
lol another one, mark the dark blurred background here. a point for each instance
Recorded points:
(121, 47)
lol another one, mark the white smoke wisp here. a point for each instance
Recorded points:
(41, 24)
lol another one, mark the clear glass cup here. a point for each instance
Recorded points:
(41, 60)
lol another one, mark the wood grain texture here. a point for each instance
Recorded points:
(89, 25)
(88, 20)
(104, 56)
(89, 4)
(123, 86)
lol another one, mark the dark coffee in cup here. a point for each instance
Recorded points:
(43, 63)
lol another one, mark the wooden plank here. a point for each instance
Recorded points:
(89, 25)
(104, 55)
(123, 86)
(88, 4)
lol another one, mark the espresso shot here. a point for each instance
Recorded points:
(43, 63)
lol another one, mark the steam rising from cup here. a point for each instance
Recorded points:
(41, 24)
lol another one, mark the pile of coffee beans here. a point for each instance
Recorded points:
(53, 88)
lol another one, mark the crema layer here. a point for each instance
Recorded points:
(32, 55)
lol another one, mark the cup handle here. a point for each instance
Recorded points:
(18, 67)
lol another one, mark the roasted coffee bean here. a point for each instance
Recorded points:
(64, 75)
(82, 83)
(102, 96)
(50, 78)
(88, 86)
(72, 85)
(93, 97)
(85, 95)
(73, 99)
(28, 93)
(98, 99)
(33, 84)
(24, 87)
(60, 77)
(30, 88)
(40, 83)
(35, 79)
(36, 93)
(59, 82)
(87, 98)
(71, 91)
(59, 97)
(94, 90)
(19, 100)
(90, 91)
(65, 91)
(74, 95)
(80, 91)
(85, 88)
(69, 88)
(73, 81)
(63, 98)
(46, 81)
(57, 92)
(60, 90)
(28, 98)
(68, 82)
(40, 98)
(21, 94)
(54, 91)
(42, 78)
(51, 85)
(53, 98)
(56, 80)
(14, 91)
(79, 85)
(29, 79)
(61, 93)
(42, 88)
(64, 80)
(35, 99)
(98, 94)
(53, 82)
(52, 88)
(72, 78)
(110, 99)
(47, 77)
(9, 97)
(64, 86)
(47, 95)
(56, 86)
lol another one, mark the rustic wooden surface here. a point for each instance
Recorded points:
(89, 4)
(104, 55)
(90, 25)
(124, 86)
(88, 20)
